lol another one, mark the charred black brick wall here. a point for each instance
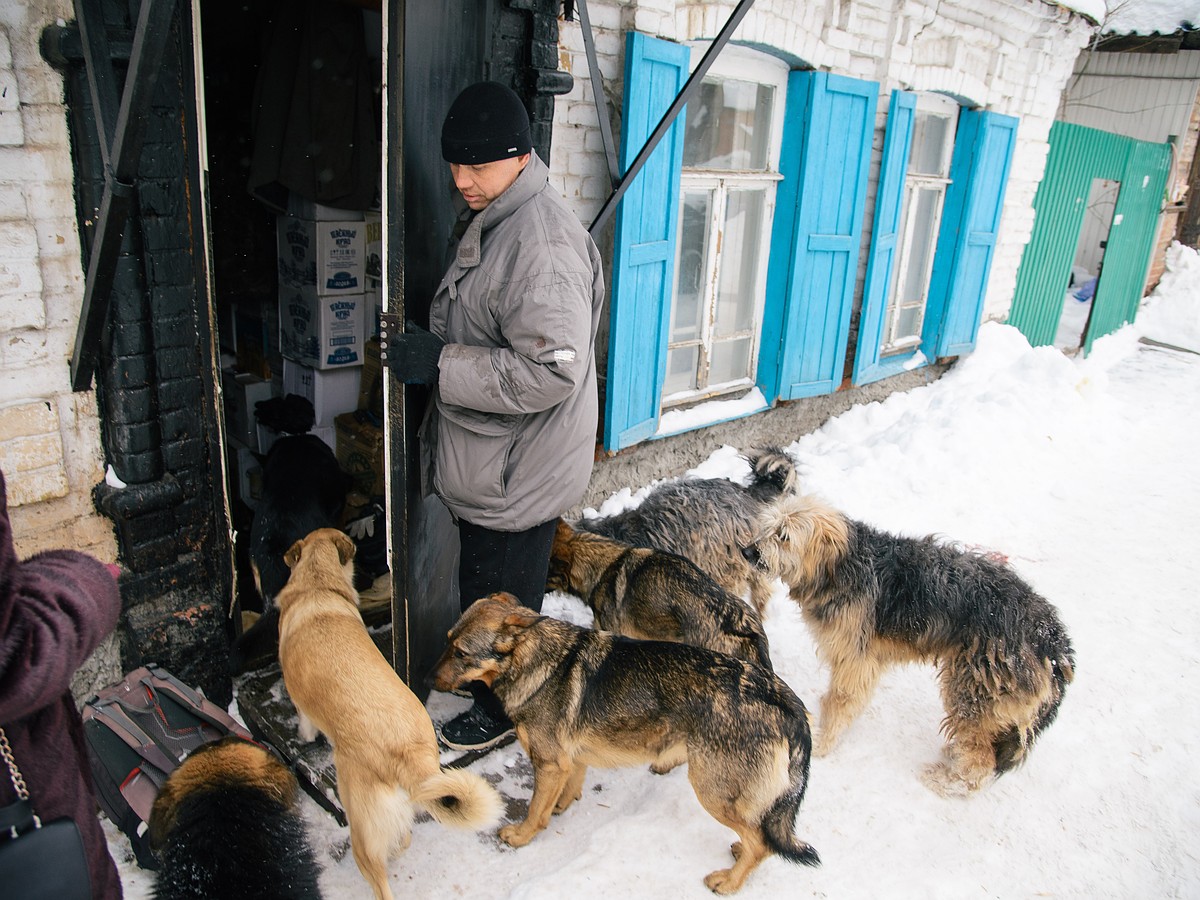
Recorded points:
(154, 379)
(524, 54)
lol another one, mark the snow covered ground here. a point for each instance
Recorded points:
(1084, 473)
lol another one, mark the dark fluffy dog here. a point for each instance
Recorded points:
(874, 599)
(226, 825)
(644, 593)
(303, 489)
(584, 698)
(708, 520)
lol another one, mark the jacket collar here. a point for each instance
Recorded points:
(531, 180)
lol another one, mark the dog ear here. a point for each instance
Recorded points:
(345, 547)
(505, 597)
(512, 631)
(293, 554)
(520, 620)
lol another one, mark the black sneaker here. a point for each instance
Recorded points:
(474, 730)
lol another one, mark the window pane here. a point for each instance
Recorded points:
(928, 156)
(687, 311)
(740, 246)
(920, 249)
(728, 126)
(681, 370)
(730, 361)
(908, 322)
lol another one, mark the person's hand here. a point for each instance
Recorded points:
(413, 356)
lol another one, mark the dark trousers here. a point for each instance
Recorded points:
(512, 561)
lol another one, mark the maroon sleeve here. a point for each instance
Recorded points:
(55, 608)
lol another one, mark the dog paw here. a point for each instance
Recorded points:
(722, 881)
(514, 835)
(945, 782)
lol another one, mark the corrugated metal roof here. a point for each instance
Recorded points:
(1145, 96)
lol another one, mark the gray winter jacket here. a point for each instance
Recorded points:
(512, 433)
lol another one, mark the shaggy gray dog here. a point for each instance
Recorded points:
(872, 600)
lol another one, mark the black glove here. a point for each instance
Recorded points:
(413, 356)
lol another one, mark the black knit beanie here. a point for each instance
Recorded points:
(486, 122)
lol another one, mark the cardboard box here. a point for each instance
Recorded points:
(327, 255)
(240, 391)
(360, 452)
(372, 251)
(370, 385)
(321, 331)
(249, 473)
(330, 391)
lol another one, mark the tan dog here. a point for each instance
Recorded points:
(583, 698)
(384, 748)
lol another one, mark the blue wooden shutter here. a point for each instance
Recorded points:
(644, 243)
(881, 264)
(966, 243)
(817, 233)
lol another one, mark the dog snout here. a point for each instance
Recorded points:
(752, 556)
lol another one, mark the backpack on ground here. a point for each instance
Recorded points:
(137, 732)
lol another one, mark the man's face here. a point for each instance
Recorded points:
(481, 184)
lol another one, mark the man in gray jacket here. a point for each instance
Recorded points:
(511, 432)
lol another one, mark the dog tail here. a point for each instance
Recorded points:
(773, 473)
(778, 829)
(779, 823)
(460, 799)
(1012, 746)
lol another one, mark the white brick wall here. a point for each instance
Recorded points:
(49, 436)
(1009, 56)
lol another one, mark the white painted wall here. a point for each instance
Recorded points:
(49, 435)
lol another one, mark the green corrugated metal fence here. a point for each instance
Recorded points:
(1077, 156)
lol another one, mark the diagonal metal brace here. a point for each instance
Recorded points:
(128, 130)
(672, 113)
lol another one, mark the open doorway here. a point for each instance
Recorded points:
(292, 123)
(291, 119)
(1088, 265)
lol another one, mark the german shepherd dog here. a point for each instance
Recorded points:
(580, 698)
(385, 753)
(226, 823)
(649, 594)
(708, 520)
(303, 489)
(873, 600)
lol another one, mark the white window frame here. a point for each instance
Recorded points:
(739, 64)
(948, 108)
